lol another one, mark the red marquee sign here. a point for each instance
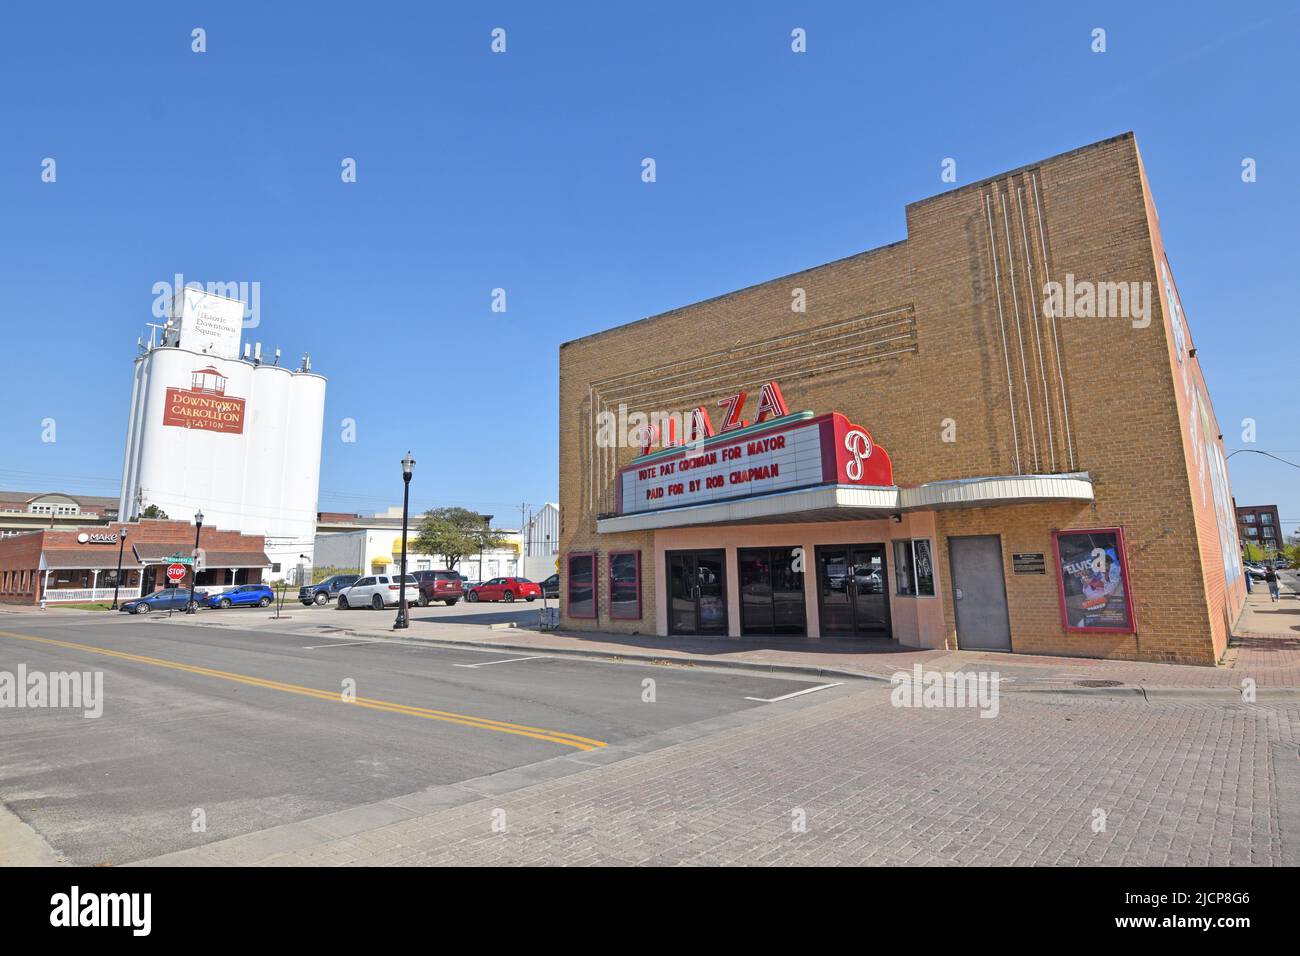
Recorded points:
(792, 451)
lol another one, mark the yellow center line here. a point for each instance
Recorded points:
(466, 720)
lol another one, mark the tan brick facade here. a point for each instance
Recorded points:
(943, 336)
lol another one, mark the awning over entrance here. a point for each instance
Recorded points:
(234, 559)
(858, 503)
(62, 559)
(160, 553)
(153, 552)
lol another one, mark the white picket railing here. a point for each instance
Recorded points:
(86, 595)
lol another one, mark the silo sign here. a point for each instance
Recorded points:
(208, 322)
(204, 405)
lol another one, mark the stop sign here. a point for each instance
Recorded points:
(175, 573)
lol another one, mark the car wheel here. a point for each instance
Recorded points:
(377, 603)
(141, 609)
(451, 603)
(264, 602)
(224, 603)
(508, 597)
(472, 597)
(422, 600)
(530, 599)
(343, 603)
(192, 607)
(322, 599)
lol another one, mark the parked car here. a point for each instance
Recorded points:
(378, 591)
(326, 590)
(505, 589)
(438, 586)
(246, 595)
(551, 586)
(165, 600)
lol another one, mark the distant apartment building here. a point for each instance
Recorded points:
(24, 511)
(1260, 525)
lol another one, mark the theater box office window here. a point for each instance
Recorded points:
(582, 585)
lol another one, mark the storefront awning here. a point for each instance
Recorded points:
(234, 559)
(859, 503)
(154, 552)
(89, 559)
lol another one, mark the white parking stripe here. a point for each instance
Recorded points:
(509, 660)
(798, 693)
(348, 644)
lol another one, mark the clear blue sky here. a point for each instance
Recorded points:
(523, 171)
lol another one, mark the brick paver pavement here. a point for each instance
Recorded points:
(1180, 783)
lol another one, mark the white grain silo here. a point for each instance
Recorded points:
(233, 437)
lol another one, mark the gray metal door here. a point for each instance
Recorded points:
(979, 593)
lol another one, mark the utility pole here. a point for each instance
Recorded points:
(519, 567)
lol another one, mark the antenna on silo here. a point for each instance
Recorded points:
(257, 353)
(306, 363)
(248, 348)
(277, 357)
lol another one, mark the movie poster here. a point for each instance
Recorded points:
(1093, 575)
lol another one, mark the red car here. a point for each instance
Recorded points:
(505, 589)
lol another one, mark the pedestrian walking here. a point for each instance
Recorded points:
(1274, 590)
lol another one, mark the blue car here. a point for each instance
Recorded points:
(246, 595)
(167, 599)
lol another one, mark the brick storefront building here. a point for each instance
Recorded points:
(80, 564)
(1261, 526)
(994, 434)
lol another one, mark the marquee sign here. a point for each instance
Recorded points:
(204, 406)
(776, 454)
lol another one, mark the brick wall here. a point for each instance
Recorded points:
(23, 552)
(908, 341)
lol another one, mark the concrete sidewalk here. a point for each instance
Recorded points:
(1265, 649)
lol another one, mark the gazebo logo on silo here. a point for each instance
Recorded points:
(204, 405)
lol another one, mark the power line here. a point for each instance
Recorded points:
(1266, 454)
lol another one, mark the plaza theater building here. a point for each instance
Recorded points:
(994, 434)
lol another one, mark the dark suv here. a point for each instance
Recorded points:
(327, 590)
(442, 586)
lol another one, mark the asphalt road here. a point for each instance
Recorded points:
(252, 728)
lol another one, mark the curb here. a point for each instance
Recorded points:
(1017, 686)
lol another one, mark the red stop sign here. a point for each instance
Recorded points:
(175, 573)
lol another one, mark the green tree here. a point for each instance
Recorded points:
(454, 533)
(153, 511)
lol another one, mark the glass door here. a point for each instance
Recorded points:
(697, 592)
(853, 597)
(771, 592)
(870, 598)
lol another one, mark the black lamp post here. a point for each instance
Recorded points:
(194, 568)
(408, 463)
(117, 581)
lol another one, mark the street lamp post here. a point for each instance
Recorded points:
(408, 464)
(117, 581)
(194, 568)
